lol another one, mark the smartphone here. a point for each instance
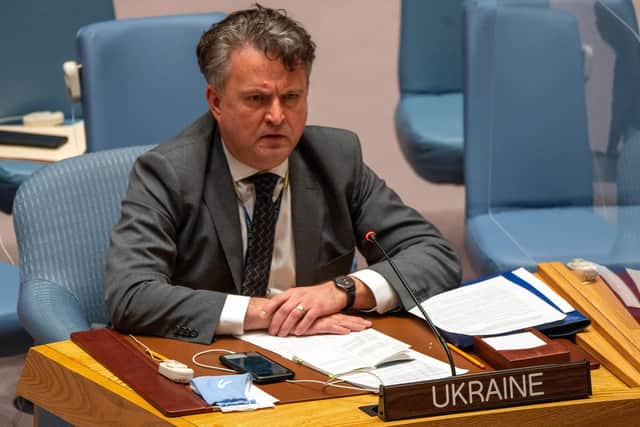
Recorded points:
(262, 369)
(31, 139)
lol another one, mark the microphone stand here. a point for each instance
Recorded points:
(371, 237)
(544, 383)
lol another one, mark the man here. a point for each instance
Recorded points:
(249, 219)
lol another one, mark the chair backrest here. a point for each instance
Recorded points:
(431, 46)
(526, 140)
(617, 24)
(140, 78)
(36, 37)
(63, 216)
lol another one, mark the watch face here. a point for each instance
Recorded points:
(348, 285)
(345, 282)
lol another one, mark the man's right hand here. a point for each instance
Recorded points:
(336, 323)
(255, 318)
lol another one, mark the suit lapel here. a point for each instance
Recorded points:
(220, 197)
(306, 212)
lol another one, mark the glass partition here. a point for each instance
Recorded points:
(554, 131)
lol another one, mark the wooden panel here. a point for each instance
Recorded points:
(618, 329)
(65, 380)
(80, 396)
(92, 393)
(618, 364)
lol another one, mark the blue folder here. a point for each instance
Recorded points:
(573, 323)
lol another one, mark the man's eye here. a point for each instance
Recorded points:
(291, 98)
(255, 99)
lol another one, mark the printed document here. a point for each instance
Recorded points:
(420, 368)
(544, 289)
(491, 307)
(367, 358)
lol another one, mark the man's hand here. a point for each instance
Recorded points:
(254, 317)
(335, 323)
(295, 310)
(339, 324)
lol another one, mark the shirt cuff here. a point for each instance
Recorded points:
(383, 292)
(232, 317)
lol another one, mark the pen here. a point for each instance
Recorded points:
(154, 355)
(392, 362)
(157, 355)
(467, 356)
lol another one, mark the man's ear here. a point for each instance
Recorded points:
(213, 100)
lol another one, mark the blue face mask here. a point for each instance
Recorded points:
(224, 390)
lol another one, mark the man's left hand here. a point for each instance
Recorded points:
(295, 310)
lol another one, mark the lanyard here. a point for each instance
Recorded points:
(247, 218)
(249, 221)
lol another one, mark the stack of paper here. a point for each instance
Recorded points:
(495, 305)
(368, 358)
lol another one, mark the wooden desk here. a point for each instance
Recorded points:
(75, 145)
(63, 379)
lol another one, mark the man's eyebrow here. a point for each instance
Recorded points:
(262, 91)
(254, 90)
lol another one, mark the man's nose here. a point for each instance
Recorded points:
(275, 113)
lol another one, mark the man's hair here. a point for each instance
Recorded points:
(268, 30)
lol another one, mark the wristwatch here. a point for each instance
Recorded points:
(348, 285)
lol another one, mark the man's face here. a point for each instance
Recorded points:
(262, 109)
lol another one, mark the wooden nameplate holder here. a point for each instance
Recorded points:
(549, 353)
(489, 390)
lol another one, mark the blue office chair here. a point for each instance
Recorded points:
(31, 67)
(31, 81)
(428, 117)
(12, 174)
(63, 217)
(14, 338)
(140, 84)
(140, 78)
(616, 24)
(531, 184)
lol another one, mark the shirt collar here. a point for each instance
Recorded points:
(240, 171)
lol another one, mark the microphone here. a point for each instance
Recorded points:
(370, 236)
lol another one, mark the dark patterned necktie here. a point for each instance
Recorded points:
(260, 237)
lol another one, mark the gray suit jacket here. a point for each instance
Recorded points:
(177, 250)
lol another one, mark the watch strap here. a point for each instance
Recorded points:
(348, 285)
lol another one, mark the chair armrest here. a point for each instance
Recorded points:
(49, 312)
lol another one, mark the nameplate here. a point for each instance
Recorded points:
(497, 389)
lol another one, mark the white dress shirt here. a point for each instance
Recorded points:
(283, 273)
